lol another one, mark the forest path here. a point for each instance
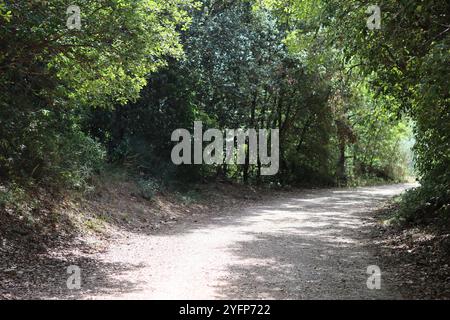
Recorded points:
(309, 246)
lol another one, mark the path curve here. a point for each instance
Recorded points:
(306, 246)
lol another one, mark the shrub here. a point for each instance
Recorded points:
(148, 188)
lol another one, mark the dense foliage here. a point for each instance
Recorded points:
(50, 74)
(345, 98)
(408, 61)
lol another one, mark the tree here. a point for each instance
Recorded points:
(48, 72)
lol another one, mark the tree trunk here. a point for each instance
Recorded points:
(252, 123)
(341, 175)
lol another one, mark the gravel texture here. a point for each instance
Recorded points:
(306, 245)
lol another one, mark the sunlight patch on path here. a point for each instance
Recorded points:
(308, 246)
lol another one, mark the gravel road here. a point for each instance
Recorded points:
(308, 246)
(311, 244)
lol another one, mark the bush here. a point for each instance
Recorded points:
(148, 188)
(80, 156)
(46, 148)
(424, 204)
(11, 195)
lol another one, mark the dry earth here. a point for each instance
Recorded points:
(313, 244)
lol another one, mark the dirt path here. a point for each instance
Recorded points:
(308, 246)
(311, 245)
